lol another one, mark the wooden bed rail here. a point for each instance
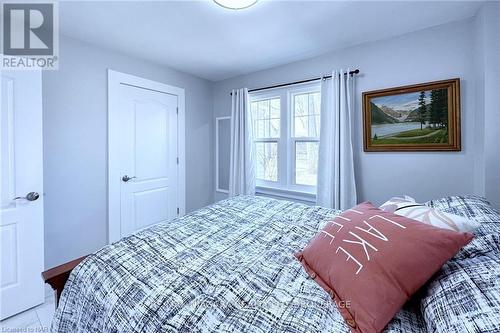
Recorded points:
(57, 276)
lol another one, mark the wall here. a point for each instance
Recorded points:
(487, 61)
(75, 145)
(433, 54)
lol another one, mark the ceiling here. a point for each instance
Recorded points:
(208, 41)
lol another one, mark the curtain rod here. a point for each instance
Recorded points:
(356, 71)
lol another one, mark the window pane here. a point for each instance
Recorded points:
(314, 103)
(317, 121)
(275, 108)
(301, 126)
(301, 105)
(266, 154)
(274, 128)
(264, 109)
(306, 115)
(313, 123)
(306, 163)
(258, 128)
(266, 118)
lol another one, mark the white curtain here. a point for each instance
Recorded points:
(336, 185)
(242, 171)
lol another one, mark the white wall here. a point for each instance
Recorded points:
(487, 61)
(433, 54)
(75, 145)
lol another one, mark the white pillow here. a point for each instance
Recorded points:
(406, 206)
(395, 203)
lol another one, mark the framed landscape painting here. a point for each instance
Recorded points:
(421, 117)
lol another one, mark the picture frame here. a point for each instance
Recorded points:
(419, 117)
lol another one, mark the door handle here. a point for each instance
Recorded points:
(32, 196)
(127, 178)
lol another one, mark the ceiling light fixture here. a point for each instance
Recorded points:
(235, 4)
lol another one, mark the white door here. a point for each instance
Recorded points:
(146, 143)
(21, 189)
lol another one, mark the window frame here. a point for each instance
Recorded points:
(286, 186)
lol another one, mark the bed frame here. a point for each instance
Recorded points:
(56, 277)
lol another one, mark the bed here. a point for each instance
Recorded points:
(229, 267)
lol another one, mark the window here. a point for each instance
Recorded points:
(266, 128)
(286, 128)
(305, 139)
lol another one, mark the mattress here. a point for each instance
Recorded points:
(229, 267)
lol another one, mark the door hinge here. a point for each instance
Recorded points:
(178, 210)
(177, 160)
(177, 110)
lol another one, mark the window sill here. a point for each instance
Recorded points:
(279, 193)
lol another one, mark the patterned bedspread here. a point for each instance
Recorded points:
(230, 267)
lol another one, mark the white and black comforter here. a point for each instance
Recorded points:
(230, 267)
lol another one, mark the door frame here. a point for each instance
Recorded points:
(115, 79)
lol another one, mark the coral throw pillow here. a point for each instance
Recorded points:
(371, 262)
